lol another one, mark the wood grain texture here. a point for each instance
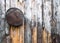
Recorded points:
(34, 35)
(29, 8)
(17, 34)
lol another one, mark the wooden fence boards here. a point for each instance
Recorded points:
(30, 8)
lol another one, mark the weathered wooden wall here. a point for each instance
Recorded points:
(40, 13)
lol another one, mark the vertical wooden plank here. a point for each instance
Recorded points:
(34, 21)
(27, 32)
(28, 19)
(14, 34)
(2, 21)
(34, 35)
(34, 29)
(17, 34)
(39, 33)
(21, 34)
(43, 36)
(47, 19)
(46, 37)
